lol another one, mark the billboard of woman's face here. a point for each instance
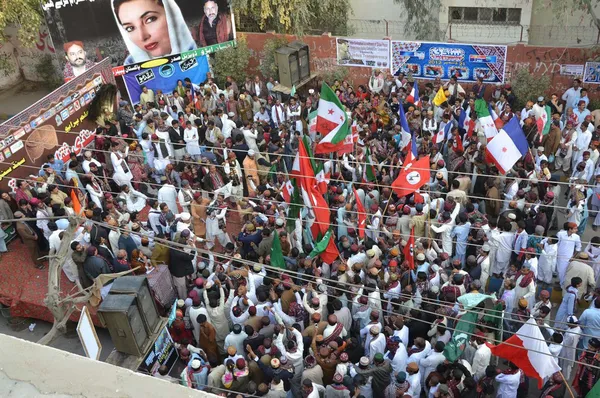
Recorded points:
(134, 31)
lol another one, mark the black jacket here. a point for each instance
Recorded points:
(180, 263)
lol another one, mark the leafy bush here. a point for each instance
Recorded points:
(335, 73)
(232, 62)
(528, 87)
(268, 64)
(46, 69)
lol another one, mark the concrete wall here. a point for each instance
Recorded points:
(31, 370)
(24, 60)
(565, 26)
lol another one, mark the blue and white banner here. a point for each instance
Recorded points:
(465, 61)
(165, 76)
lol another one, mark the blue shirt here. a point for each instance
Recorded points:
(58, 166)
(423, 267)
(461, 232)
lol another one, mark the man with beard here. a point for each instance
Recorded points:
(215, 27)
(77, 62)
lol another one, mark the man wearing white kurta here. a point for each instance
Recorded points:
(294, 111)
(278, 113)
(190, 136)
(212, 227)
(584, 136)
(134, 200)
(569, 243)
(504, 243)
(168, 194)
(185, 196)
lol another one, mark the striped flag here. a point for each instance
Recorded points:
(332, 121)
(413, 97)
(362, 215)
(442, 134)
(485, 118)
(287, 191)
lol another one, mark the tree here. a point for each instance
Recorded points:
(422, 19)
(268, 65)
(232, 62)
(26, 15)
(528, 87)
(296, 16)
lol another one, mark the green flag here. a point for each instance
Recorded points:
(370, 175)
(273, 172)
(276, 253)
(462, 333)
(296, 204)
(549, 120)
(293, 91)
(594, 392)
(326, 249)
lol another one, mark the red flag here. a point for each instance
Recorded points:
(458, 145)
(287, 190)
(314, 200)
(409, 250)
(414, 174)
(331, 252)
(362, 215)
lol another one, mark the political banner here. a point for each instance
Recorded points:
(57, 124)
(163, 352)
(363, 53)
(592, 73)
(165, 76)
(466, 62)
(130, 32)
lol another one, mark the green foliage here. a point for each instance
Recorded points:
(232, 62)
(422, 19)
(268, 65)
(335, 73)
(528, 87)
(26, 15)
(47, 71)
(294, 16)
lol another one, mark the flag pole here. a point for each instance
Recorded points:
(567, 384)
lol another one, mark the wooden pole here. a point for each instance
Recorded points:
(567, 384)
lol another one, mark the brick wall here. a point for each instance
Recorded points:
(541, 61)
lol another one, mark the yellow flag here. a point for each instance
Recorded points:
(440, 97)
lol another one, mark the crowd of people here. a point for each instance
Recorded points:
(196, 180)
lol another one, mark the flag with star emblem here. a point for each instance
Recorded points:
(332, 122)
(508, 146)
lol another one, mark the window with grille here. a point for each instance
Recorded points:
(485, 15)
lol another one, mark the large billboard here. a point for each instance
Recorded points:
(131, 32)
(58, 124)
(466, 62)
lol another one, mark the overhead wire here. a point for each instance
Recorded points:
(468, 244)
(301, 276)
(293, 156)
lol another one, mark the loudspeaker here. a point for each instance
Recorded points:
(303, 58)
(138, 287)
(287, 63)
(120, 313)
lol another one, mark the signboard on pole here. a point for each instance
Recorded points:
(363, 53)
(466, 62)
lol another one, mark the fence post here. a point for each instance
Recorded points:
(450, 32)
(387, 33)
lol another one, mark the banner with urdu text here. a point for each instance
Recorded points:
(363, 53)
